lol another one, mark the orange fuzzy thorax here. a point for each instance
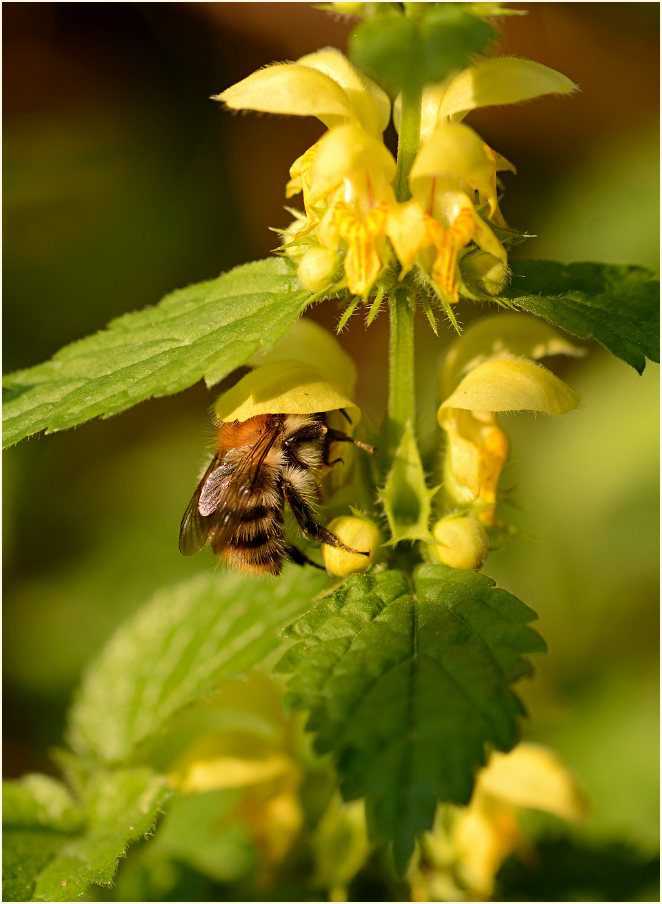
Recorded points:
(237, 434)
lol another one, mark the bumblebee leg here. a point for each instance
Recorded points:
(299, 558)
(304, 518)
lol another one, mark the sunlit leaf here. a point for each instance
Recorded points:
(179, 647)
(202, 332)
(54, 846)
(40, 800)
(617, 305)
(39, 815)
(122, 806)
(407, 685)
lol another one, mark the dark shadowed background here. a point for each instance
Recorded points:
(122, 181)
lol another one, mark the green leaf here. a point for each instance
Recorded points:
(203, 331)
(39, 801)
(53, 848)
(38, 817)
(178, 648)
(406, 53)
(25, 853)
(408, 685)
(619, 306)
(406, 497)
(388, 49)
(202, 831)
(450, 37)
(123, 806)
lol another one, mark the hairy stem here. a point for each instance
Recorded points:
(402, 393)
(405, 495)
(401, 390)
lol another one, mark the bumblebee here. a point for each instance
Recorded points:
(261, 465)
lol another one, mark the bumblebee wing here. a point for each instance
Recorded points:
(195, 527)
(236, 490)
(222, 498)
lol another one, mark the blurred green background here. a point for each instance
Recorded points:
(122, 181)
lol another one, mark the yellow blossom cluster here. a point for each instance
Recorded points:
(347, 178)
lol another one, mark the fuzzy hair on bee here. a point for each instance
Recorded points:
(260, 466)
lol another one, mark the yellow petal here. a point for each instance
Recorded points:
(229, 759)
(407, 228)
(500, 80)
(501, 163)
(345, 151)
(284, 387)
(532, 776)
(454, 152)
(371, 105)
(456, 223)
(275, 824)
(511, 384)
(366, 242)
(476, 451)
(291, 89)
(502, 336)
(482, 844)
(310, 343)
(232, 772)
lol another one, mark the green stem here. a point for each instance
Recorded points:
(402, 394)
(401, 389)
(410, 120)
(405, 495)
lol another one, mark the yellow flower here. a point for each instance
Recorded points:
(345, 177)
(257, 759)
(496, 378)
(454, 167)
(460, 857)
(352, 173)
(476, 451)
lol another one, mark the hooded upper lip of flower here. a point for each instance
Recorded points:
(322, 84)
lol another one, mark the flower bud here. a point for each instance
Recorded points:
(484, 272)
(461, 542)
(357, 533)
(317, 269)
